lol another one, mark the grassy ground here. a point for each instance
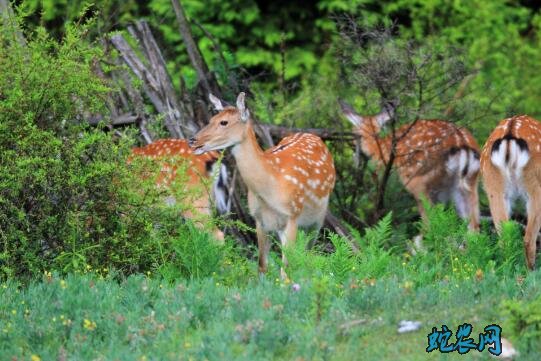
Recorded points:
(83, 317)
(208, 303)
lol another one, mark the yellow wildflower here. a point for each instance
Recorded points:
(89, 325)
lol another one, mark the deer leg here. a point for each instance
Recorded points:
(418, 189)
(473, 200)
(534, 224)
(263, 247)
(287, 237)
(499, 205)
(467, 203)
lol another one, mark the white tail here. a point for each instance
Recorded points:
(172, 154)
(435, 160)
(511, 168)
(288, 185)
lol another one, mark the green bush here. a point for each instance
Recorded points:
(524, 318)
(68, 200)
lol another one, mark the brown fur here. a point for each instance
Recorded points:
(172, 154)
(288, 185)
(497, 184)
(422, 150)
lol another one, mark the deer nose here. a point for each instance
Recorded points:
(191, 141)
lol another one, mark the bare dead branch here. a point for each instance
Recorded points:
(199, 64)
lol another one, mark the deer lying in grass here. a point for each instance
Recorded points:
(288, 185)
(511, 169)
(173, 155)
(435, 160)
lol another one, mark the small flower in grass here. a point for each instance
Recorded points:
(63, 284)
(296, 287)
(13, 312)
(35, 358)
(407, 286)
(4, 286)
(479, 274)
(89, 325)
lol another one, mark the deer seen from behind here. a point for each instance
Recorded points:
(172, 156)
(511, 169)
(288, 185)
(435, 160)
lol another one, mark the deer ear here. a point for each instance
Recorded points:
(216, 102)
(241, 106)
(350, 114)
(386, 114)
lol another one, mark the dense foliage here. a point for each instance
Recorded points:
(339, 306)
(93, 265)
(68, 199)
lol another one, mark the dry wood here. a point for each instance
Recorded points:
(156, 81)
(8, 17)
(204, 76)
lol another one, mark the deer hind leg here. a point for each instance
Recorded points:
(287, 237)
(467, 202)
(499, 204)
(534, 223)
(417, 187)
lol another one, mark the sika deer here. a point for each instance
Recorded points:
(172, 154)
(511, 169)
(435, 159)
(288, 185)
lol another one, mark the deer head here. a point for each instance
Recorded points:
(368, 125)
(225, 129)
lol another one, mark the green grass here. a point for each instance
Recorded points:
(214, 306)
(86, 317)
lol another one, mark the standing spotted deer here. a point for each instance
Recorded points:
(435, 160)
(288, 185)
(172, 155)
(511, 169)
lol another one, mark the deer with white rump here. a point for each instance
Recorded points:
(511, 168)
(436, 160)
(288, 185)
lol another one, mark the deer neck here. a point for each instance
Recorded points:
(251, 163)
(374, 145)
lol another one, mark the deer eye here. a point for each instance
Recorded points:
(223, 123)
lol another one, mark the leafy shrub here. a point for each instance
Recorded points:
(195, 255)
(525, 321)
(68, 200)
